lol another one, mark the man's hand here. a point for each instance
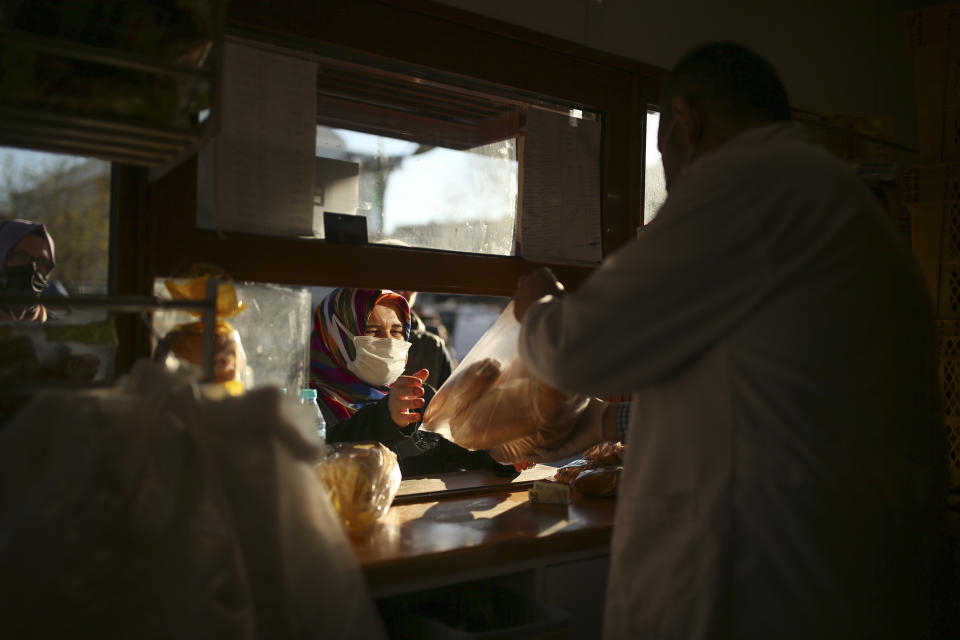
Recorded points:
(587, 431)
(531, 288)
(407, 394)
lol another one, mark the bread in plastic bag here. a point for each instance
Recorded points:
(492, 402)
(185, 341)
(568, 472)
(361, 480)
(598, 482)
(597, 472)
(607, 453)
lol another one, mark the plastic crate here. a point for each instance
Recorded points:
(934, 35)
(936, 75)
(930, 26)
(926, 232)
(931, 182)
(938, 134)
(950, 145)
(949, 342)
(935, 237)
(948, 302)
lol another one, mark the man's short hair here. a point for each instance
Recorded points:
(731, 80)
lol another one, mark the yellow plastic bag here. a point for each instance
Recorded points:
(185, 341)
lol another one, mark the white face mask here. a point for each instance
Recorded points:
(379, 361)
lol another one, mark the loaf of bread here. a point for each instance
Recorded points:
(607, 454)
(462, 390)
(229, 359)
(598, 482)
(498, 415)
(361, 480)
(518, 449)
(520, 408)
(568, 472)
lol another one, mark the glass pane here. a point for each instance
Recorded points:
(70, 196)
(406, 156)
(421, 195)
(45, 343)
(270, 344)
(655, 190)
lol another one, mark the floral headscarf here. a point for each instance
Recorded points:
(340, 317)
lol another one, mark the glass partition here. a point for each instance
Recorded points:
(269, 346)
(70, 196)
(400, 155)
(421, 195)
(47, 338)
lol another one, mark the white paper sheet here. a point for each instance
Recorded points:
(560, 216)
(264, 161)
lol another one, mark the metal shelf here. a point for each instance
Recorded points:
(75, 96)
(118, 304)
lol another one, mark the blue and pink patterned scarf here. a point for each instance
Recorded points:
(337, 319)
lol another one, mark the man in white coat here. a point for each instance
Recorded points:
(786, 461)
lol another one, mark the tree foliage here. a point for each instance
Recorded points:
(71, 196)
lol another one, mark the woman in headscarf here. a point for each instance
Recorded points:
(358, 350)
(26, 260)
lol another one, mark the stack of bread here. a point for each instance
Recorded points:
(597, 473)
(504, 410)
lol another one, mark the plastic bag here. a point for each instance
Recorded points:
(492, 402)
(57, 350)
(361, 480)
(148, 511)
(597, 473)
(185, 341)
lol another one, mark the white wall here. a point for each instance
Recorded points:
(836, 57)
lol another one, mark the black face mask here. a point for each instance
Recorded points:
(23, 279)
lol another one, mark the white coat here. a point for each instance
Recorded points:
(785, 459)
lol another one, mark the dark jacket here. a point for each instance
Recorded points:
(427, 351)
(419, 452)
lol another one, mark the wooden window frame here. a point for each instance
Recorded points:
(429, 36)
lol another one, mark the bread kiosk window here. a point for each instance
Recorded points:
(55, 246)
(337, 166)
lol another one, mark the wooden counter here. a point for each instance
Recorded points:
(440, 540)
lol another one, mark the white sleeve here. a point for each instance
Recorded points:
(688, 279)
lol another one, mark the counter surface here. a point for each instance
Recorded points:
(456, 534)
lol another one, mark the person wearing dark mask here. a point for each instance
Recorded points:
(358, 349)
(427, 349)
(27, 253)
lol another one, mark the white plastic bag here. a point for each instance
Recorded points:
(492, 402)
(148, 511)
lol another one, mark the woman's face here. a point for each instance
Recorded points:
(384, 322)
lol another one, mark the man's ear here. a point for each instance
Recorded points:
(689, 120)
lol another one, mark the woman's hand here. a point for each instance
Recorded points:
(407, 394)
